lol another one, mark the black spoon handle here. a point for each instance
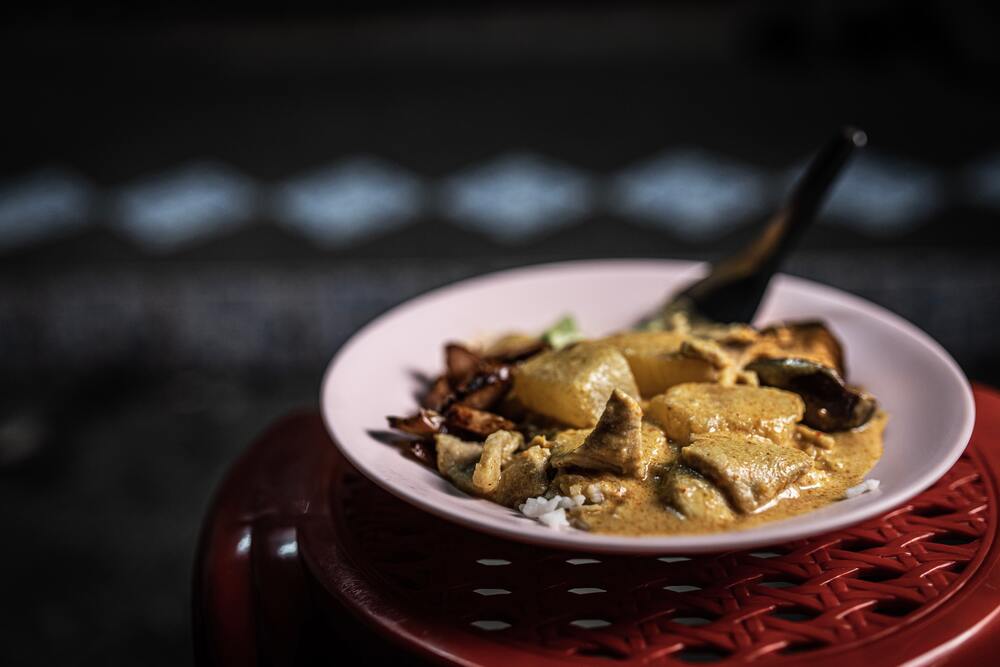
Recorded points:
(734, 288)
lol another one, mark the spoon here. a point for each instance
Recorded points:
(733, 289)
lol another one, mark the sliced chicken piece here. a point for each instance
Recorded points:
(456, 460)
(695, 497)
(498, 450)
(750, 470)
(693, 409)
(617, 443)
(526, 476)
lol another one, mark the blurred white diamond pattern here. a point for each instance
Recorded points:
(694, 194)
(47, 203)
(982, 181)
(882, 196)
(516, 197)
(189, 203)
(348, 201)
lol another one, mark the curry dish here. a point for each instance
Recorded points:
(680, 428)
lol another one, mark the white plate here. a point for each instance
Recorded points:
(929, 400)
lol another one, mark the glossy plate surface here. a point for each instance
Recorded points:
(375, 374)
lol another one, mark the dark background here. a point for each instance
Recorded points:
(198, 205)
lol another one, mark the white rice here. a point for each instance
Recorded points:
(551, 511)
(863, 487)
(556, 519)
(594, 494)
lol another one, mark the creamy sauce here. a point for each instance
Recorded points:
(643, 511)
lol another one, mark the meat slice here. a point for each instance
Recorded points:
(497, 452)
(693, 409)
(618, 442)
(526, 476)
(456, 460)
(695, 497)
(750, 470)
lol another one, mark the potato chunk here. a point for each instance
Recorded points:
(573, 384)
(693, 409)
(656, 362)
(695, 497)
(506, 476)
(751, 470)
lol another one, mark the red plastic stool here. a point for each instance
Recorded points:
(298, 548)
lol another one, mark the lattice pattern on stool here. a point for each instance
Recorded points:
(843, 587)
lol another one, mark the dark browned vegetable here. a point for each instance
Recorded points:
(423, 424)
(479, 423)
(424, 451)
(462, 363)
(484, 389)
(810, 340)
(830, 404)
(439, 396)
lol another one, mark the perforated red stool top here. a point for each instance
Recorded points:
(296, 537)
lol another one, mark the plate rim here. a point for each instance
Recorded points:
(659, 544)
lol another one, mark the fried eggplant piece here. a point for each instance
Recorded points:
(830, 405)
(479, 423)
(811, 340)
(461, 363)
(423, 451)
(423, 424)
(485, 387)
(439, 396)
